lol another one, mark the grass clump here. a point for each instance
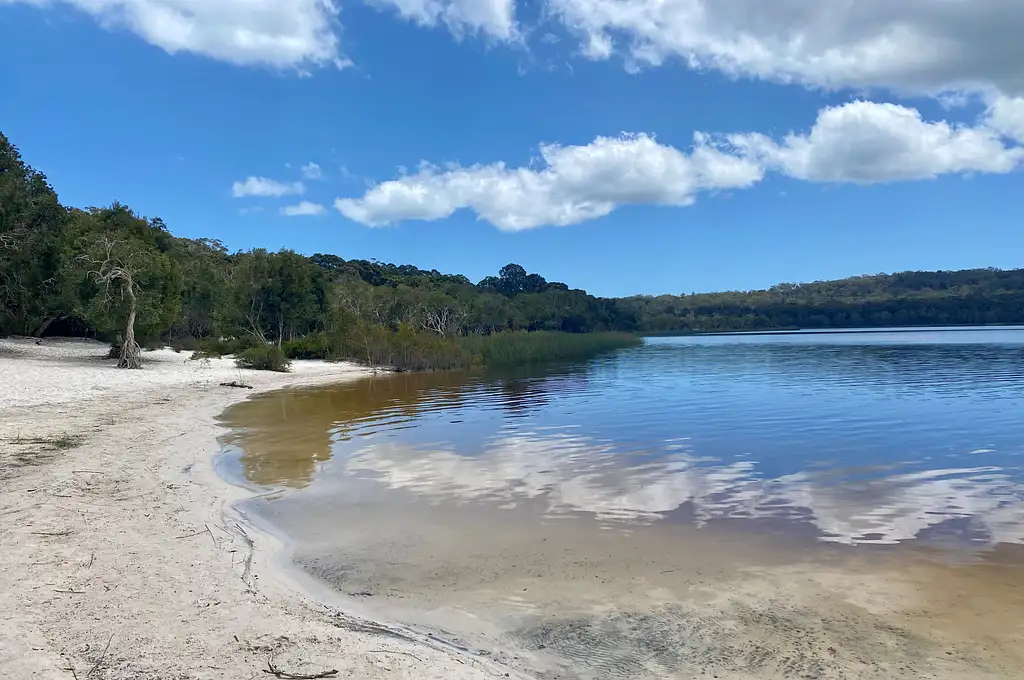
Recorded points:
(522, 347)
(264, 358)
(405, 348)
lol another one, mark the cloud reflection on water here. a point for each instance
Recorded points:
(569, 473)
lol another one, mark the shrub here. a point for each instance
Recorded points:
(182, 344)
(264, 358)
(219, 347)
(317, 346)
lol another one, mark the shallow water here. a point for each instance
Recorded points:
(846, 506)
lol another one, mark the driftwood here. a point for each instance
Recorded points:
(235, 383)
(278, 673)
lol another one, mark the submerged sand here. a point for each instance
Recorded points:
(482, 550)
(121, 555)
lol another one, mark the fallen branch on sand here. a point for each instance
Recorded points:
(278, 673)
(235, 383)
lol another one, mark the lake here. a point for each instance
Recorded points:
(841, 505)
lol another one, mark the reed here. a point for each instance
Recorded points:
(522, 347)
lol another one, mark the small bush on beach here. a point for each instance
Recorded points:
(265, 358)
(316, 346)
(219, 347)
(184, 344)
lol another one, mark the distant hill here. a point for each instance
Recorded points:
(969, 297)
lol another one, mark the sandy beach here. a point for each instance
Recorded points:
(120, 553)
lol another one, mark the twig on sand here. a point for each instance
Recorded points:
(207, 530)
(278, 673)
(87, 472)
(102, 657)
(191, 535)
(247, 571)
(52, 533)
(392, 651)
(92, 558)
(69, 592)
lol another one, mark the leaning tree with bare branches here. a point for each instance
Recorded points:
(113, 269)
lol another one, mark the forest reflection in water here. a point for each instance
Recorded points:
(757, 453)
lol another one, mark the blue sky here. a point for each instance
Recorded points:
(465, 134)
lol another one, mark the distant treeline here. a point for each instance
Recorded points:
(66, 270)
(972, 297)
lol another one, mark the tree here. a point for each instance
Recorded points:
(114, 271)
(31, 220)
(511, 280)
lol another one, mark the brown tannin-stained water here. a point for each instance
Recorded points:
(847, 506)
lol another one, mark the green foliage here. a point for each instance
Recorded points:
(31, 224)
(220, 347)
(522, 347)
(404, 349)
(103, 238)
(264, 358)
(316, 346)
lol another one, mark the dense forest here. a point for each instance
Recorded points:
(113, 274)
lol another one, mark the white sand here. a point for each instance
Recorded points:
(123, 558)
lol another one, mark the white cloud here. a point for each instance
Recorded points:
(1006, 115)
(859, 142)
(280, 33)
(494, 18)
(866, 142)
(303, 208)
(923, 46)
(575, 184)
(312, 171)
(263, 186)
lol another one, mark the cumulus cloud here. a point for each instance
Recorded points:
(279, 33)
(1006, 116)
(303, 208)
(860, 142)
(921, 46)
(866, 142)
(493, 18)
(266, 187)
(574, 184)
(312, 171)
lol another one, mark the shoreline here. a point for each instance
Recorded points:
(124, 554)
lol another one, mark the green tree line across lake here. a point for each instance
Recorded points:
(69, 270)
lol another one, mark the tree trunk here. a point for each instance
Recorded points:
(46, 324)
(131, 353)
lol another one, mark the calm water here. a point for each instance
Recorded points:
(559, 514)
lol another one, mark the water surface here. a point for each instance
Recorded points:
(840, 505)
